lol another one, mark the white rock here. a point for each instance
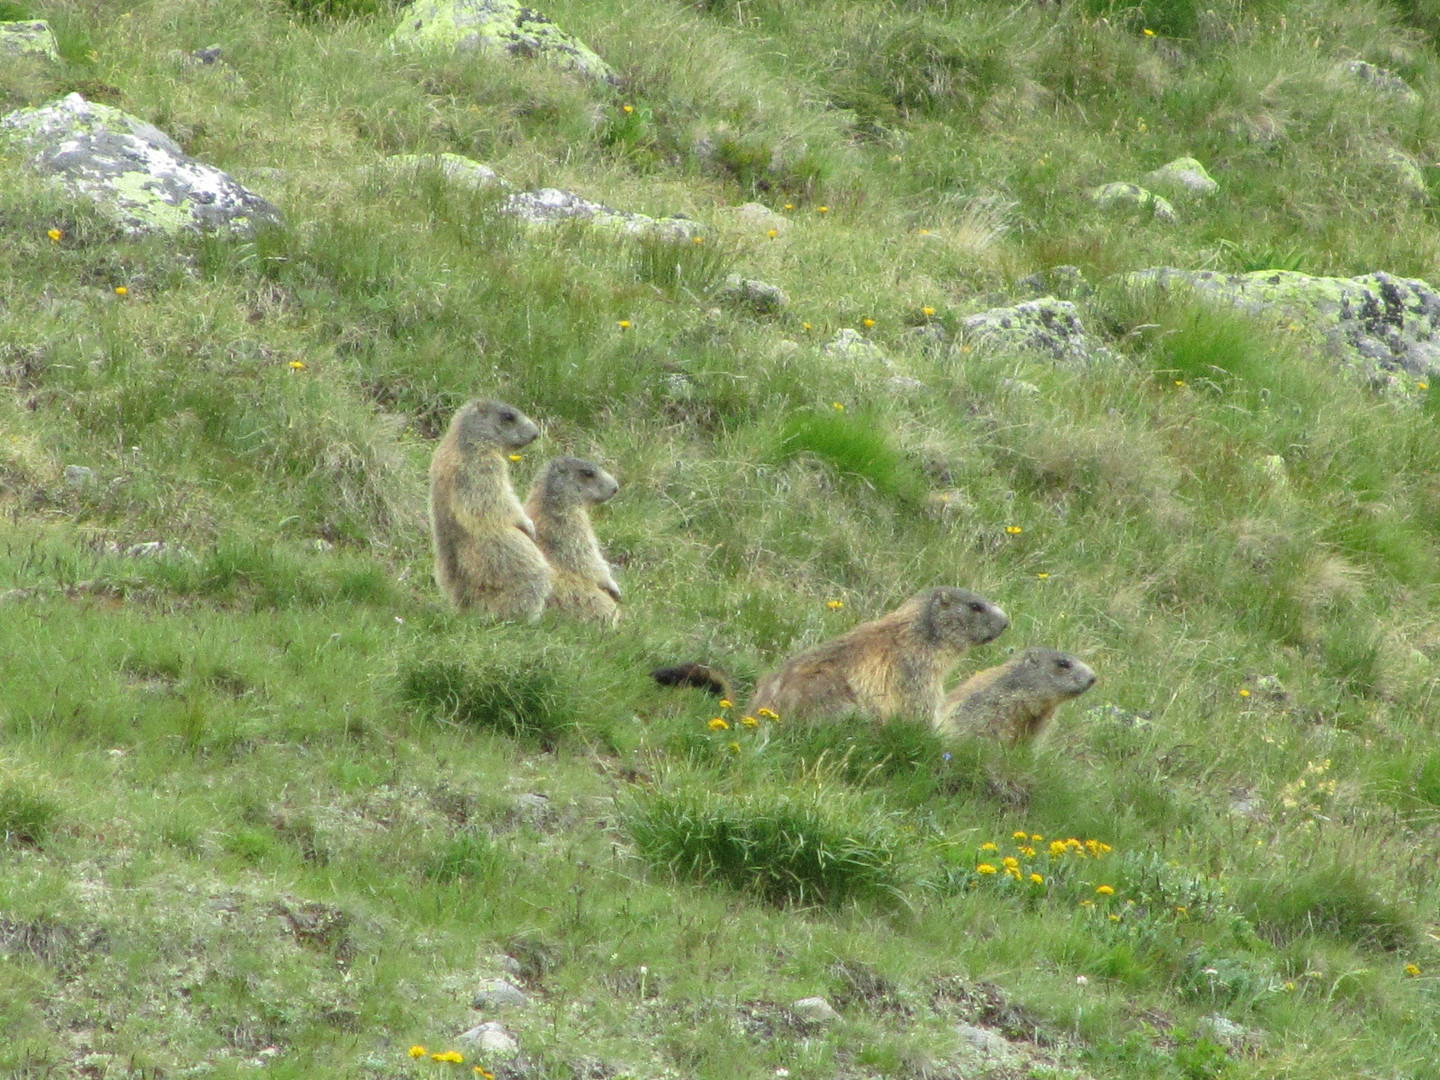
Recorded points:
(489, 1038)
(815, 1010)
(499, 994)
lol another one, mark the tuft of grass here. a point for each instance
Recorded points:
(681, 264)
(1332, 897)
(469, 855)
(27, 815)
(856, 445)
(791, 848)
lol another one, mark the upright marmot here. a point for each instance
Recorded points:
(1014, 700)
(485, 551)
(559, 504)
(892, 666)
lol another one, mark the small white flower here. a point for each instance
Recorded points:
(782, 1072)
(1081, 980)
(1211, 971)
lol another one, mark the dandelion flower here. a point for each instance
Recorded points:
(923, 232)
(699, 239)
(1035, 838)
(806, 327)
(835, 605)
(1105, 890)
(1182, 911)
(1020, 834)
(449, 1056)
(1057, 847)
(733, 747)
(1244, 692)
(838, 406)
(1010, 862)
(1422, 386)
(297, 365)
(1105, 849)
(773, 233)
(726, 703)
(768, 714)
(985, 868)
(867, 322)
(628, 109)
(822, 209)
(517, 457)
(1014, 530)
(1027, 851)
(789, 206)
(927, 311)
(484, 1074)
(1037, 879)
(1114, 918)
(418, 1051)
(121, 290)
(1149, 32)
(1412, 970)
(1042, 575)
(719, 724)
(1087, 903)
(1179, 382)
(55, 235)
(749, 721)
(989, 845)
(625, 324)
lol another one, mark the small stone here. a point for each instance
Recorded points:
(854, 347)
(990, 1043)
(1047, 326)
(1234, 1037)
(550, 206)
(757, 218)
(1134, 197)
(1183, 175)
(499, 994)
(77, 476)
(1380, 80)
(500, 27)
(905, 384)
(1116, 715)
(814, 1010)
(457, 169)
(759, 296)
(28, 37)
(1064, 282)
(489, 1038)
(211, 54)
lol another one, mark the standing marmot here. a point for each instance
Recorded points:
(892, 666)
(1015, 700)
(485, 551)
(559, 504)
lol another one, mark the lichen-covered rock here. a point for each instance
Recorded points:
(135, 173)
(1125, 196)
(466, 172)
(1065, 282)
(550, 206)
(814, 1010)
(1380, 80)
(1408, 176)
(1183, 176)
(758, 296)
(1378, 324)
(1046, 325)
(853, 347)
(28, 37)
(504, 27)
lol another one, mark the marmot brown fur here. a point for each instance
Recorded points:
(559, 505)
(892, 666)
(1014, 700)
(486, 557)
(701, 676)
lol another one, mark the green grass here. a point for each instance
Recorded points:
(261, 789)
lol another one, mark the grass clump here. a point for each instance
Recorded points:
(27, 816)
(1334, 898)
(815, 847)
(855, 445)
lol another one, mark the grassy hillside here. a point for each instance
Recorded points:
(267, 803)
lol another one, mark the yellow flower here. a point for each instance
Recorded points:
(927, 311)
(1179, 382)
(1057, 847)
(733, 747)
(838, 406)
(1035, 838)
(789, 206)
(806, 327)
(121, 290)
(726, 703)
(769, 714)
(1422, 386)
(923, 232)
(55, 235)
(985, 868)
(1106, 890)
(822, 209)
(1020, 834)
(1412, 970)
(1105, 849)
(1036, 879)
(418, 1051)
(1010, 862)
(517, 457)
(1114, 918)
(1014, 530)
(1027, 851)
(484, 1074)
(1042, 575)
(989, 846)
(773, 233)
(719, 724)
(1149, 32)
(867, 322)
(625, 324)
(835, 605)
(699, 239)
(1244, 692)
(297, 365)
(628, 109)
(1182, 911)
(1013, 871)
(749, 721)
(1087, 903)
(449, 1056)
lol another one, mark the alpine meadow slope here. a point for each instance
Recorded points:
(843, 297)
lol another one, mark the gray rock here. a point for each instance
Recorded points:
(211, 54)
(853, 347)
(1386, 328)
(758, 296)
(1184, 176)
(489, 1038)
(550, 206)
(459, 170)
(1409, 177)
(501, 27)
(78, 476)
(814, 1010)
(1234, 1037)
(498, 994)
(137, 175)
(1123, 196)
(1380, 80)
(1047, 326)
(28, 37)
(757, 218)
(905, 384)
(1064, 282)
(990, 1044)
(1114, 714)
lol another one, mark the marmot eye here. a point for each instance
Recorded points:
(588, 474)
(1062, 663)
(976, 606)
(507, 416)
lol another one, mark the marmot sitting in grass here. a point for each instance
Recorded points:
(892, 666)
(485, 552)
(559, 505)
(1014, 700)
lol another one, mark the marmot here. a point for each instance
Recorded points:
(559, 505)
(705, 677)
(485, 551)
(892, 666)
(1014, 700)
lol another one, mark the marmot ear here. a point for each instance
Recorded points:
(944, 599)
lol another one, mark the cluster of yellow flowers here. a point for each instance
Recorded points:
(1026, 848)
(449, 1057)
(723, 723)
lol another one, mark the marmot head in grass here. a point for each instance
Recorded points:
(951, 616)
(573, 481)
(492, 425)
